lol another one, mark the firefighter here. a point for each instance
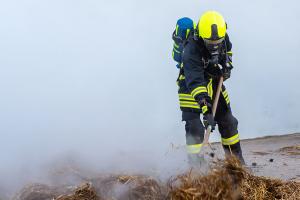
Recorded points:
(205, 57)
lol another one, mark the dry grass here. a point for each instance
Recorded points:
(257, 188)
(221, 183)
(228, 180)
(84, 192)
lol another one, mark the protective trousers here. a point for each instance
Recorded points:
(227, 125)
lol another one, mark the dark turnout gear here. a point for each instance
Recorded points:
(198, 72)
(227, 125)
(205, 57)
(194, 132)
(198, 87)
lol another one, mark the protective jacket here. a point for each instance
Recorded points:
(197, 74)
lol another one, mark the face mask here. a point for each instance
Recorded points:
(213, 47)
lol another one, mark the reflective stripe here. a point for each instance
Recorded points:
(181, 77)
(225, 93)
(187, 32)
(229, 53)
(226, 97)
(204, 109)
(210, 88)
(198, 90)
(176, 32)
(227, 100)
(193, 148)
(232, 140)
(186, 97)
(174, 49)
(189, 104)
(176, 46)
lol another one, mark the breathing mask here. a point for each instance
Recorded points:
(213, 47)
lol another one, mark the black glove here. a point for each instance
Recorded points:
(226, 70)
(209, 120)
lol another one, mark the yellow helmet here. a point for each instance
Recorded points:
(212, 26)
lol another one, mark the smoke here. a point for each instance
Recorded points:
(95, 80)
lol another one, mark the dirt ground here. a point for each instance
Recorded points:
(271, 156)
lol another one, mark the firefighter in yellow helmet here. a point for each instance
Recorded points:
(206, 57)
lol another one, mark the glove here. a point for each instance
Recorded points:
(209, 120)
(226, 70)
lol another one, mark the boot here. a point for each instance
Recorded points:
(236, 150)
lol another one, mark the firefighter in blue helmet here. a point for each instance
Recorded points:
(203, 53)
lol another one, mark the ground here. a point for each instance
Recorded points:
(271, 156)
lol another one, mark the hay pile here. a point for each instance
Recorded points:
(231, 181)
(221, 183)
(84, 192)
(40, 192)
(256, 188)
(228, 180)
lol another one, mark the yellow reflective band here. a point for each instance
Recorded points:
(181, 66)
(189, 104)
(194, 148)
(209, 88)
(225, 93)
(176, 32)
(181, 77)
(204, 109)
(174, 49)
(226, 97)
(173, 54)
(187, 32)
(229, 53)
(186, 97)
(227, 101)
(176, 46)
(198, 90)
(232, 140)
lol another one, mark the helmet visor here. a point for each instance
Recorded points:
(213, 42)
(213, 45)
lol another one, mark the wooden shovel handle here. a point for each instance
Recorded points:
(218, 92)
(214, 109)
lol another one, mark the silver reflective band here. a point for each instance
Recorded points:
(213, 41)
